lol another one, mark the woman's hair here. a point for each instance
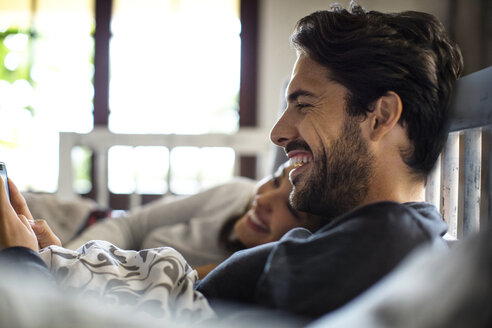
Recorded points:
(371, 53)
(225, 235)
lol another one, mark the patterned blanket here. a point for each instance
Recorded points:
(157, 281)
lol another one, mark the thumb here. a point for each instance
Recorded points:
(46, 237)
(18, 202)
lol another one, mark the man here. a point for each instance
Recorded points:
(365, 122)
(364, 125)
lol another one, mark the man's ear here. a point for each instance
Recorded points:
(385, 115)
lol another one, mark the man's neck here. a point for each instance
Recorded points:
(397, 187)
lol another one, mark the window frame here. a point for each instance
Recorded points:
(247, 91)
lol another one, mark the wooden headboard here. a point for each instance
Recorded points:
(460, 183)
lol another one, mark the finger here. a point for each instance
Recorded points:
(26, 222)
(18, 201)
(46, 236)
(40, 227)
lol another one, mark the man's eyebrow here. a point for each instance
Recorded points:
(291, 97)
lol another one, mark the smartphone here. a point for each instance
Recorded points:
(3, 173)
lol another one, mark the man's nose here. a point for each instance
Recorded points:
(284, 130)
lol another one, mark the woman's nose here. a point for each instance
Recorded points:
(267, 201)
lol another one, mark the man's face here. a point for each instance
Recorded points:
(332, 160)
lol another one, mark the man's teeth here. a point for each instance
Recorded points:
(300, 160)
(257, 221)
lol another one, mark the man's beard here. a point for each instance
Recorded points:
(339, 179)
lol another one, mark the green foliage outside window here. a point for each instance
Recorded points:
(23, 69)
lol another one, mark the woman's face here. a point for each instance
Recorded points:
(270, 215)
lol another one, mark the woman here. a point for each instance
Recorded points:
(155, 281)
(158, 280)
(207, 227)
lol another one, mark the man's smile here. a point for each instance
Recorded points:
(299, 159)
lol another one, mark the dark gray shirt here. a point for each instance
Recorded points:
(312, 274)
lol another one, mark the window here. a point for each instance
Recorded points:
(142, 170)
(175, 66)
(174, 69)
(45, 84)
(193, 168)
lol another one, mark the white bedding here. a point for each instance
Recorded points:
(157, 281)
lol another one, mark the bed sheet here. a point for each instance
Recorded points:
(157, 281)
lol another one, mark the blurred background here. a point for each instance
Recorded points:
(153, 97)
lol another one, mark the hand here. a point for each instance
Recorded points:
(46, 236)
(15, 229)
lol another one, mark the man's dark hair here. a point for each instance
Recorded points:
(371, 53)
